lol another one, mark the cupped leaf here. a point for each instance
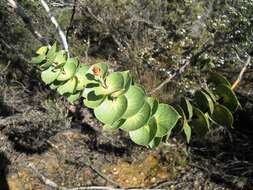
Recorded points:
(60, 58)
(166, 117)
(68, 87)
(155, 142)
(135, 100)
(73, 97)
(69, 69)
(111, 110)
(227, 97)
(51, 53)
(114, 82)
(81, 76)
(218, 79)
(42, 50)
(199, 123)
(187, 107)
(204, 102)
(222, 116)
(38, 59)
(50, 75)
(144, 135)
(127, 82)
(114, 126)
(90, 87)
(54, 85)
(92, 100)
(210, 94)
(183, 123)
(153, 103)
(138, 120)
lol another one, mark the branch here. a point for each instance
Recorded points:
(239, 78)
(57, 26)
(179, 71)
(27, 20)
(72, 18)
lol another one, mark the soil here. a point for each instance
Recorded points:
(46, 143)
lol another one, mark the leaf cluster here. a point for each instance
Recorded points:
(119, 103)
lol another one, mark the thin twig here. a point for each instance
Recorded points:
(239, 78)
(179, 71)
(72, 18)
(57, 26)
(51, 183)
(27, 20)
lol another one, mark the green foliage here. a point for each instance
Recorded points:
(121, 104)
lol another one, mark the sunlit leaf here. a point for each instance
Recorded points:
(89, 88)
(51, 53)
(187, 107)
(166, 117)
(227, 97)
(155, 142)
(222, 116)
(54, 85)
(138, 120)
(209, 93)
(135, 99)
(92, 100)
(73, 97)
(127, 83)
(111, 110)
(69, 69)
(144, 135)
(38, 59)
(50, 75)
(68, 87)
(153, 103)
(60, 58)
(42, 50)
(114, 126)
(81, 76)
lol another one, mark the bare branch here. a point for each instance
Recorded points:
(239, 78)
(57, 26)
(72, 18)
(179, 71)
(27, 20)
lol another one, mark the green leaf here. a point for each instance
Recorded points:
(187, 131)
(81, 76)
(138, 120)
(166, 118)
(51, 53)
(50, 75)
(42, 50)
(114, 82)
(90, 87)
(187, 107)
(135, 100)
(127, 82)
(204, 102)
(111, 110)
(144, 135)
(209, 93)
(199, 122)
(92, 100)
(222, 116)
(38, 59)
(54, 85)
(69, 69)
(155, 142)
(68, 87)
(73, 97)
(218, 79)
(114, 126)
(153, 103)
(227, 97)
(60, 58)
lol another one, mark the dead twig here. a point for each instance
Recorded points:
(57, 26)
(51, 183)
(72, 18)
(239, 78)
(177, 72)
(27, 20)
